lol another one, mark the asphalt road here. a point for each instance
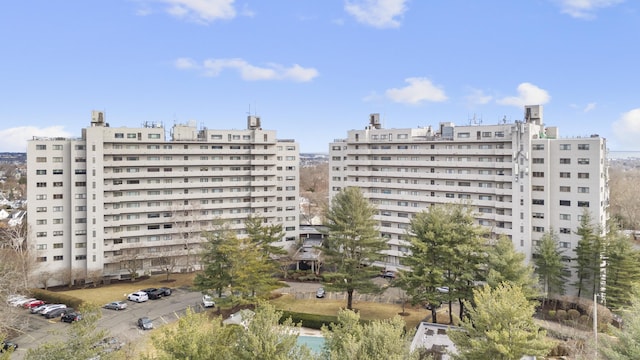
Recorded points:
(122, 323)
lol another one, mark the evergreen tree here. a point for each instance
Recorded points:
(624, 344)
(446, 253)
(505, 264)
(500, 326)
(549, 264)
(217, 259)
(622, 269)
(380, 339)
(352, 245)
(263, 235)
(589, 257)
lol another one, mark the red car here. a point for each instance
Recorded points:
(33, 303)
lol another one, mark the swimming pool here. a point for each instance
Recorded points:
(314, 343)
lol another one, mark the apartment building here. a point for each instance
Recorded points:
(521, 179)
(123, 199)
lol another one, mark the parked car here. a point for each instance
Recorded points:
(59, 312)
(51, 308)
(388, 275)
(145, 323)
(138, 296)
(71, 316)
(167, 291)
(8, 346)
(21, 301)
(153, 293)
(320, 292)
(33, 303)
(116, 305)
(442, 289)
(207, 301)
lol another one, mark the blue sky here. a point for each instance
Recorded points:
(312, 70)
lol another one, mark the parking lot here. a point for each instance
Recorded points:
(119, 323)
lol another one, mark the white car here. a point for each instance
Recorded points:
(138, 296)
(52, 308)
(207, 301)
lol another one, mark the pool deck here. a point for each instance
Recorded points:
(310, 332)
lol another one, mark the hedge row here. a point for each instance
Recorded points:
(312, 321)
(56, 298)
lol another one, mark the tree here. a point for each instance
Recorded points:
(167, 264)
(446, 251)
(216, 257)
(195, 337)
(505, 264)
(263, 236)
(379, 339)
(500, 326)
(622, 260)
(236, 264)
(353, 244)
(589, 257)
(549, 264)
(78, 343)
(266, 339)
(625, 342)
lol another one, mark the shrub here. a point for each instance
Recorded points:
(584, 320)
(561, 315)
(552, 314)
(57, 298)
(573, 314)
(313, 321)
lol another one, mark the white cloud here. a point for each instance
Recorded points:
(584, 9)
(185, 63)
(478, 97)
(213, 67)
(627, 129)
(528, 94)
(589, 107)
(377, 13)
(15, 139)
(202, 11)
(418, 91)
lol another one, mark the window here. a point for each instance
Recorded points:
(58, 209)
(537, 201)
(81, 257)
(57, 196)
(41, 159)
(583, 204)
(153, 136)
(41, 184)
(565, 146)
(565, 161)
(565, 175)
(41, 172)
(583, 146)
(565, 203)
(565, 231)
(58, 258)
(57, 184)
(537, 215)
(565, 188)
(41, 147)
(565, 217)
(41, 209)
(41, 259)
(538, 174)
(537, 188)
(58, 245)
(119, 135)
(583, 175)
(537, 147)
(464, 135)
(538, 160)
(583, 190)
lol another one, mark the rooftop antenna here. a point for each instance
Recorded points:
(504, 119)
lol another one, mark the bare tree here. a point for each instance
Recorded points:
(167, 264)
(65, 276)
(22, 253)
(44, 279)
(133, 265)
(625, 199)
(94, 277)
(314, 186)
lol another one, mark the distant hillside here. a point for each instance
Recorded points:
(13, 158)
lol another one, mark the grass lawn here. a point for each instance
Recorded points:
(367, 310)
(118, 291)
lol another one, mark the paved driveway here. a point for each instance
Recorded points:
(121, 324)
